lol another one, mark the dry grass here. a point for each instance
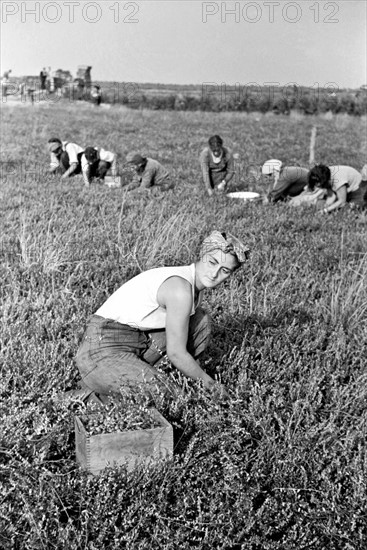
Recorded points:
(283, 465)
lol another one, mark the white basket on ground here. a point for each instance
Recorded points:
(112, 181)
(247, 196)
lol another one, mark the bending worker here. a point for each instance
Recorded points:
(287, 181)
(343, 184)
(157, 312)
(148, 173)
(217, 165)
(96, 163)
(65, 157)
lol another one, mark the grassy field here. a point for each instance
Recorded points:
(283, 466)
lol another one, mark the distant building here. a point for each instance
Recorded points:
(84, 74)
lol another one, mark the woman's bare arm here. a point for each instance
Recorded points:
(341, 199)
(175, 294)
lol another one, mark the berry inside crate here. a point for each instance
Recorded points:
(103, 437)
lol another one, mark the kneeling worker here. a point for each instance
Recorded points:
(96, 163)
(343, 184)
(154, 313)
(148, 173)
(217, 165)
(65, 157)
(288, 181)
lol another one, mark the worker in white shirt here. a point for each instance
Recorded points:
(96, 163)
(96, 95)
(65, 157)
(342, 184)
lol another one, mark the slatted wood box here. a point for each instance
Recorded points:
(96, 452)
(113, 181)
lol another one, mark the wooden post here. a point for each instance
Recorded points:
(312, 145)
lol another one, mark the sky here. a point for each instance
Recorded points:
(306, 42)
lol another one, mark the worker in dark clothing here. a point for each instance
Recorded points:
(288, 181)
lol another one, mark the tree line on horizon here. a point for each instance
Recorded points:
(247, 99)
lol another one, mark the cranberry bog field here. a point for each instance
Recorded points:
(283, 465)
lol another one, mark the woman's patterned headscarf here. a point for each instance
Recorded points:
(227, 243)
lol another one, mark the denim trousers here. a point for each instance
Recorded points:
(113, 355)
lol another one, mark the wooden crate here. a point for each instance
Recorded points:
(113, 181)
(96, 452)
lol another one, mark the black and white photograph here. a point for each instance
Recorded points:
(183, 346)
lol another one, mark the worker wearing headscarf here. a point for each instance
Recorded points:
(157, 314)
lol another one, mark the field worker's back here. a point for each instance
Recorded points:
(296, 177)
(135, 302)
(73, 150)
(345, 175)
(154, 174)
(104, 155)
(292, 181)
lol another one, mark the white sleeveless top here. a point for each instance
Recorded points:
(345, 175)
(135, 302)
